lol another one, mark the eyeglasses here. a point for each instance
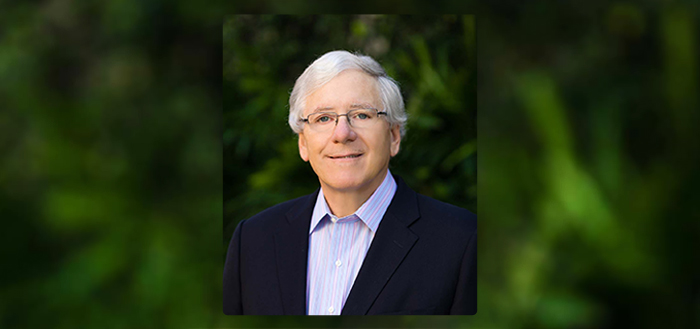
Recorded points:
(358, 118)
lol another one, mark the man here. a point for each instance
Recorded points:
(364, 243)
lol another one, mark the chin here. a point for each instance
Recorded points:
(345, 182)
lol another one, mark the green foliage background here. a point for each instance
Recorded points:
(111, 137)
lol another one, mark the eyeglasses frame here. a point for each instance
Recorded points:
(343, 115)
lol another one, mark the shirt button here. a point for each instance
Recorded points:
(331, 309)
(338, 263)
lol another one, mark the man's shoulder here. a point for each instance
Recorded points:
(271, 217)
(449, 215)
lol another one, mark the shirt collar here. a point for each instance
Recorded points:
(370, 213)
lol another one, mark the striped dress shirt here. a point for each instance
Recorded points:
(337, 248)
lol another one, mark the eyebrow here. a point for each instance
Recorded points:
(322, 109)
(362, 106)
(353, 106)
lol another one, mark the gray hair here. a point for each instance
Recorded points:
(327, 67)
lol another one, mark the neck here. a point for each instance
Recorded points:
(345, 203)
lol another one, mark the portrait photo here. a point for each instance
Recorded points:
(349, 147)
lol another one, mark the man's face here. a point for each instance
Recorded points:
(375, 145)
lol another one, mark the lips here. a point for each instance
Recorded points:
(346, 156)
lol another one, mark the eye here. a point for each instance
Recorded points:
(323, 118)
(362, 115)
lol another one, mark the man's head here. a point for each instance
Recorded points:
(347, 150)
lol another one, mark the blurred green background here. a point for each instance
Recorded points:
(112, 130)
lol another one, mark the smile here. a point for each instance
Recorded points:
(349, 156)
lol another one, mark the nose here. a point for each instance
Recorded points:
(343, 132)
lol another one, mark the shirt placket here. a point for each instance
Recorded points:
(333, 308)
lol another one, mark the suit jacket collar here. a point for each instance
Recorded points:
(390, 245)
(392, 242)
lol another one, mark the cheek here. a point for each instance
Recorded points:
(314, 150)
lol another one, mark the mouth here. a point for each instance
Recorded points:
(346, 156)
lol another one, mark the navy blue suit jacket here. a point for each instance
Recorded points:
(422, 260)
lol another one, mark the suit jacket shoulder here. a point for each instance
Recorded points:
(446, 217)
(265, 270)
(270, 219)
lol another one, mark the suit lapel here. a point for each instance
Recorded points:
(392, 242)
(291, 249)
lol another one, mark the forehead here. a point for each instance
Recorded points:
(347, 89)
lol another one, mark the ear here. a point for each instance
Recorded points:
(303, 151)
(395, 133)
